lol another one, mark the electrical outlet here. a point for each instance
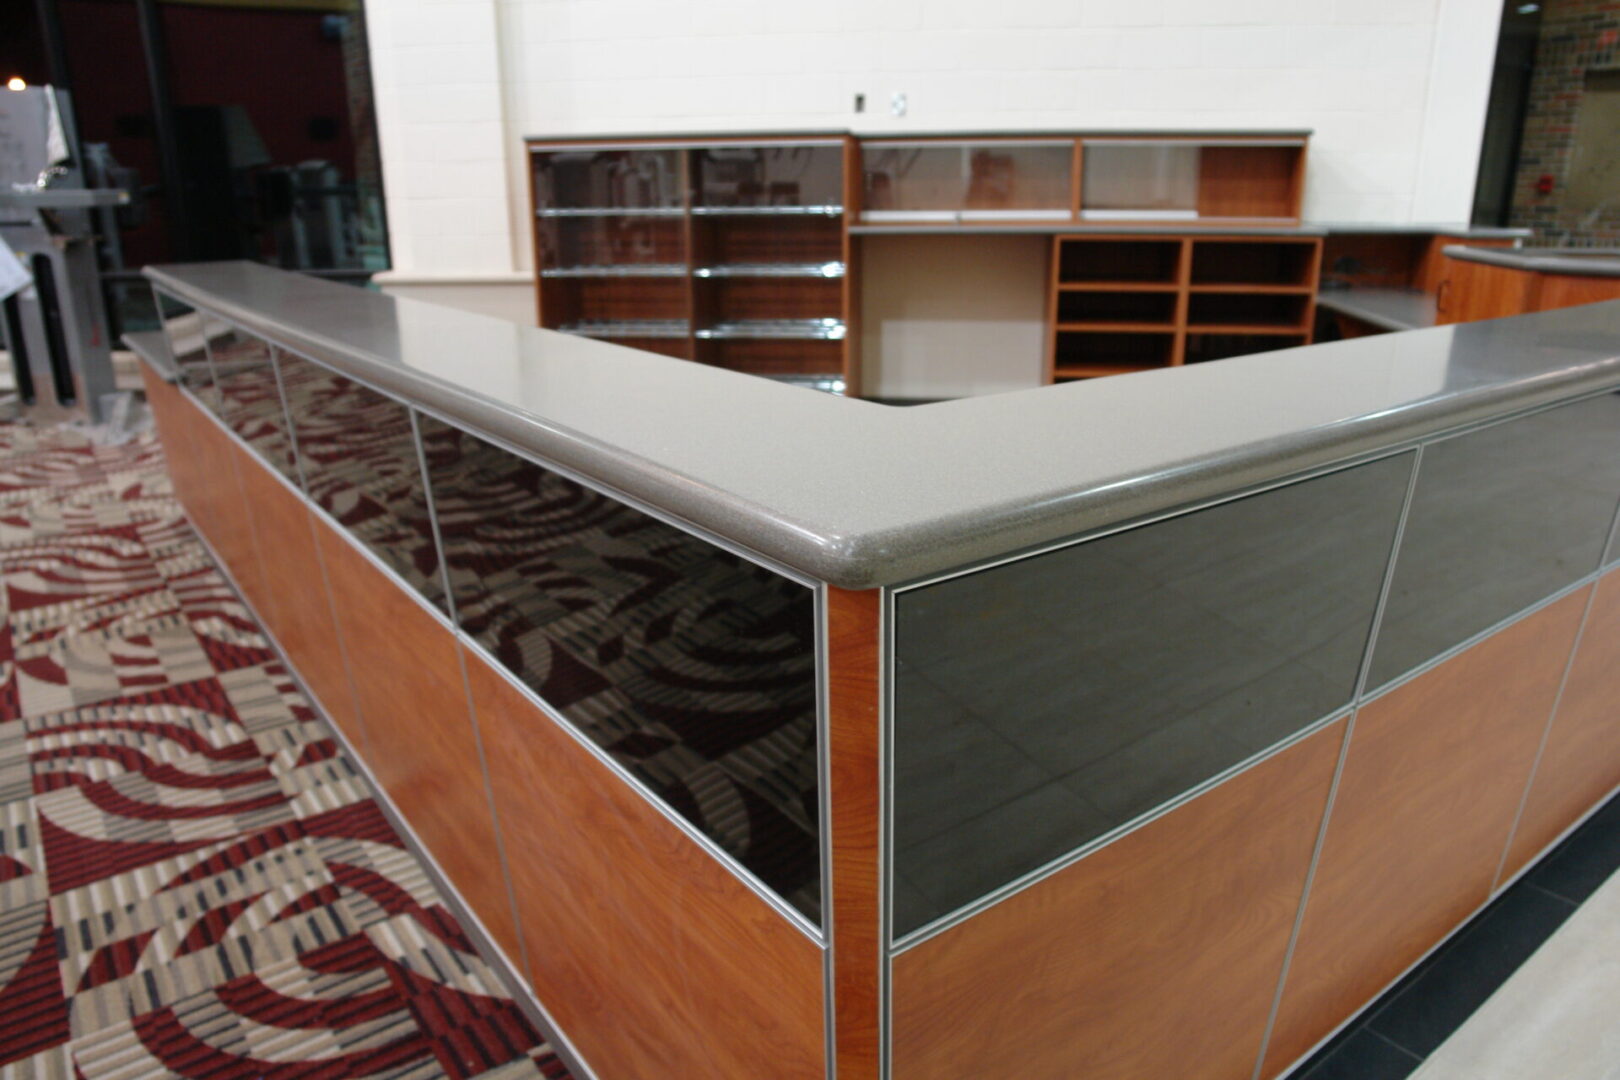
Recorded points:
(860, 102)
(897, 103)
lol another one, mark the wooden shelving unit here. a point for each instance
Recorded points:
(732, 253)
(1125, 303)
(736, 251)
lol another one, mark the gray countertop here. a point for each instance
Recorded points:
(1388, 309)
(860, 494)
(1582, 262)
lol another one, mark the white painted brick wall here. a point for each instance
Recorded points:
(1395, 89)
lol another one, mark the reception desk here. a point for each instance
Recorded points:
(1143, 727)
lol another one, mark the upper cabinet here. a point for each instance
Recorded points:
(1192, 180)
(946, 180)
(1159, 178)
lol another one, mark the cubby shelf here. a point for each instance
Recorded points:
(1101, 327)
(1124, 303)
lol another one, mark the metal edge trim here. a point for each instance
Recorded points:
(489, 951)
(1419, 670)
(963, 913)
(725, 858)
(886, 834)
(867, 560)
(393, 576)
(467, 641)
(1258, 488)
(1320, 842)
(1462, 925)
(829, 995)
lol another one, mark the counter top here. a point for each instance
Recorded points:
(1581, 262)
(860, 494)
(1388, 309)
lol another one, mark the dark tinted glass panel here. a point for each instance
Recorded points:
(360, 465)
(1500, 519)
(183, 326)
(249, 400)
(695, 669)
(1040, 704)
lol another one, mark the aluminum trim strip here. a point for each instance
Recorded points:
(489, 950)
(1338, 766)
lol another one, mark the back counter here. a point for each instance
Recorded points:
(1142, 727)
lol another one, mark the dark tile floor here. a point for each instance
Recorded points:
(1393, 1037)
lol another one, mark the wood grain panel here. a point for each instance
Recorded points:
(221, 510)
(1156, 956)
(853, 646)
(292, 600)
(653, 957)
(1581, 761)
(1473, 291)
(174, 432)
(1430, 787)
(423, 747)
(1568, 290)
(1248, 181)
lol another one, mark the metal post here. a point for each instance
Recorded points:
(155, 46)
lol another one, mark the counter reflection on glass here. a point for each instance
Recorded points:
(1045, 702)
(248, 399)
(184, 329)
(694, 668)
(360, 465)
(1501, 518)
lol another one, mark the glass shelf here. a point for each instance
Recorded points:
(609, 211)
(624, 270)
(629, 328)
(772, 270)
(767, 211)
(775, 329)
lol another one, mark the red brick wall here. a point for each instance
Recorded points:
(1576, 35)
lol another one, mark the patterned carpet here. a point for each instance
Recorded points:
(194, 879)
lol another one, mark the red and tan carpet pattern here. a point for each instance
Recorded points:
(195, 880)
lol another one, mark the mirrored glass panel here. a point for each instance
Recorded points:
(360, 465)
(1140, 179)
(1501, 518)
(183, 328)
(249, 399)
(1043, 703)
(693, 668)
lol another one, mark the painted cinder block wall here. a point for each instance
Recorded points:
(1395, 90)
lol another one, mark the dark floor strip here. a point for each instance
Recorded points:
(1399, 1030)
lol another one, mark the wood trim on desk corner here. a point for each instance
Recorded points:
(854, 737)
(854, 372)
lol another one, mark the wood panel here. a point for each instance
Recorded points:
(1472, 291)
(1430, 786)
(293, 601)
(1430, 268)
(221, 511)
(774, 298)
(854, 719)
(1248, 181)
(777, 357)
(654, 958)
(1581, 760)
(1568, 290)
(406, 670)
(1156, 956)
(174, 432)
